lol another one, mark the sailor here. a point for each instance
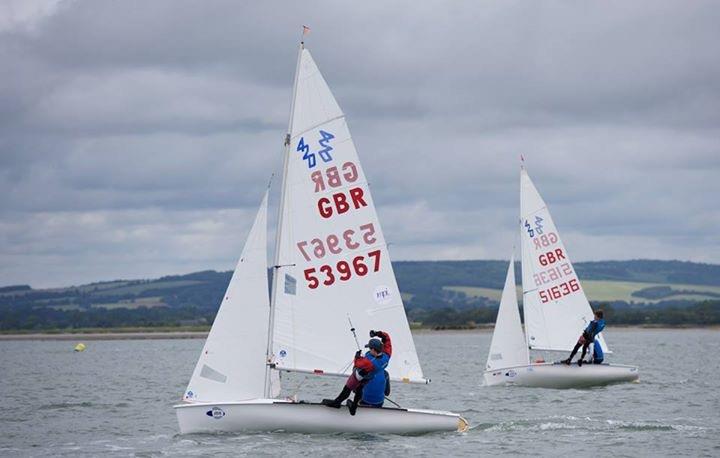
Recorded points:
(588, 336)
(369, 380)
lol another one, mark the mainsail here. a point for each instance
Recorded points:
(332, 263)
(554, 303)
(232, 363)
(508, 347)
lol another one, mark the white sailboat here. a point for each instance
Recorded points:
(331, 268)
(555, 307)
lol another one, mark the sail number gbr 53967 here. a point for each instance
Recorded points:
(358, 244)
(334, 244)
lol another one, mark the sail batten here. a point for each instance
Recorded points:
(298, 134)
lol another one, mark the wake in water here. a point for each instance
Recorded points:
(593, 425)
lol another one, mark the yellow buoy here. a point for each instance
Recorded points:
(80, 347)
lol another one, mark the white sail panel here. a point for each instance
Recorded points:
(333, 266)
(508, 347)
(232, 363)
(554, 303)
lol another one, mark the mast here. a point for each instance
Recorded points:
(522, 262)
(278, 235)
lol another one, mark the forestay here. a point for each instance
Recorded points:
(232, 364)
(332, 263)
(508, 347)
(554, 303)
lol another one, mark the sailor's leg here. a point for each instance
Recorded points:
(573, 353)
(337, 402)
(585, 349)
(584, 352)
(352, 405)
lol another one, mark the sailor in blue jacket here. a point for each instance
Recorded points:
(375, 363)
(588, 336)
(369, 379)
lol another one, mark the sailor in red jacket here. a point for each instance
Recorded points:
(369, 378)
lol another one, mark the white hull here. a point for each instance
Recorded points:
(300, 417)
(558, 375)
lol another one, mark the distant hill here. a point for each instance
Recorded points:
(427, 286)
(417, 276)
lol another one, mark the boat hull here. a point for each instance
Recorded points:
(558, 375)
(301, 417)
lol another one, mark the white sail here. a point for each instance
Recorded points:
(508, 347)
(232, 363)
(332, 262)
(554, 303)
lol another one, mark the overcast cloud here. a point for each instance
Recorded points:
(136, 137)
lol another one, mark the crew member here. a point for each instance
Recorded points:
(369, 378)
(588, 336)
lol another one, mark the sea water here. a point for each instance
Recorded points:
(116, 397)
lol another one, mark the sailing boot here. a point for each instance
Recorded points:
(337, 402)
(352, 406)
(580, 362)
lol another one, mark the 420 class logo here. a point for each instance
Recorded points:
(538, 229)
(323, 152)
(216, 412)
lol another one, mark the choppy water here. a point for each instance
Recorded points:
(115, 399)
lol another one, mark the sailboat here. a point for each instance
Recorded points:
(555, 307)
(331, 276)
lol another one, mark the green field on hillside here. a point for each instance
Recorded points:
(603, 291)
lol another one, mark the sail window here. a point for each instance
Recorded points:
(211, 374)
(290, 284)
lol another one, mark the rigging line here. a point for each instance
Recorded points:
(346, 366)
(395, 403)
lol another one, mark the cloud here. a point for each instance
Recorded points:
(136, 139)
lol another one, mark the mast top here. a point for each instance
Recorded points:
(305, 31)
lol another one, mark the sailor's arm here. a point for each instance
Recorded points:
(385, 337)
(363, 363)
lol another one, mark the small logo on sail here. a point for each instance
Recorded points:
(190, 395)
(216, 412)
(382, 295)
(283, 353)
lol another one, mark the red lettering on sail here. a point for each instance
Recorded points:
(351, 173)
(340, 204)
(343, 270)
(332, 178)
(357, 198)
(551, 257)
(324, 207)
(545, 240)
(317, 178)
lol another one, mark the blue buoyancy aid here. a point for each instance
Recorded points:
(598, 355)
(594, 328)
(374, 391)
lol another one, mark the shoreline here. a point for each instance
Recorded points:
(184, 334)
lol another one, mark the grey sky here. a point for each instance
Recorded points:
(136, 137)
